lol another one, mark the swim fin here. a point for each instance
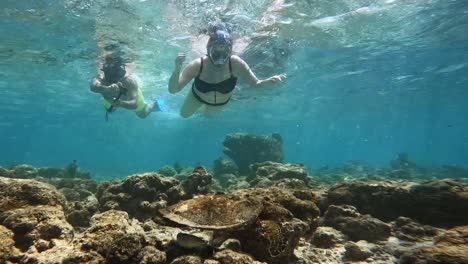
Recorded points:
(159, 105)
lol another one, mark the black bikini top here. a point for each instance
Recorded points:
(223, 87)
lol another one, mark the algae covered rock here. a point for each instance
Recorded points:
(118, 238)
(140, 195)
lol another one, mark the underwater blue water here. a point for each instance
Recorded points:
(367, 80)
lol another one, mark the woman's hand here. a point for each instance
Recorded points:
(277, 78)
(179, 60)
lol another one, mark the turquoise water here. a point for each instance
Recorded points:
(367, 79)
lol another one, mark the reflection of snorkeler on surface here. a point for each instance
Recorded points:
(215, 75)
(120, 89)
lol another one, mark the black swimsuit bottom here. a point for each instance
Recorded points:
(223, 87)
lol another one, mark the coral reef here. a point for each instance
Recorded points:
(247, 149)
(275, 218)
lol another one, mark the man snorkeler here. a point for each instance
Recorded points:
(119, 89)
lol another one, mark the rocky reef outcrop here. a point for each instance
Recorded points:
(247, 149)
(432, 202)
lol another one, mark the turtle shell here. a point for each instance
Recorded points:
(215, 212)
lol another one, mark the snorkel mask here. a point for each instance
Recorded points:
(114, 70)
(219, 47)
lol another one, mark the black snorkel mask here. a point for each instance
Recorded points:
(114, 72)
(219, 48)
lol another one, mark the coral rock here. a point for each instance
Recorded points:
(436, 203)
(357, 227)
(450, 247)
(231, 257)
(246, 149)
(327, 237)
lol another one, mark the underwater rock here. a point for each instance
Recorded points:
(79, 213)
(199, 182)
(327, 237)
(23, 171)
(81, 201)
(450, 171)
(223, 166)
(215, 212)
(141, 195)
(151, 255)
(356, 252)
(164, 236)
(82, 186)
(286, 184)
(274, 171)
(7, 245)
(167, 171)
(232, 244)
(37, 225)
(450, 247)
(26, 171)
(4, 172)
(408, 230)
(231, 257)
(231, 181)
(117, 238)
(188, 260)
(357, 167)
(71, 171)
(307, 253)
(247, 149)
(225, 172)
(17, 193)
(355, 226)
(211, 261)
(435, 203)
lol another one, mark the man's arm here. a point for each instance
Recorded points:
(246, 73)
(132, 88)
(97, 87)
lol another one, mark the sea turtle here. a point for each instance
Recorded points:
(214, 212)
